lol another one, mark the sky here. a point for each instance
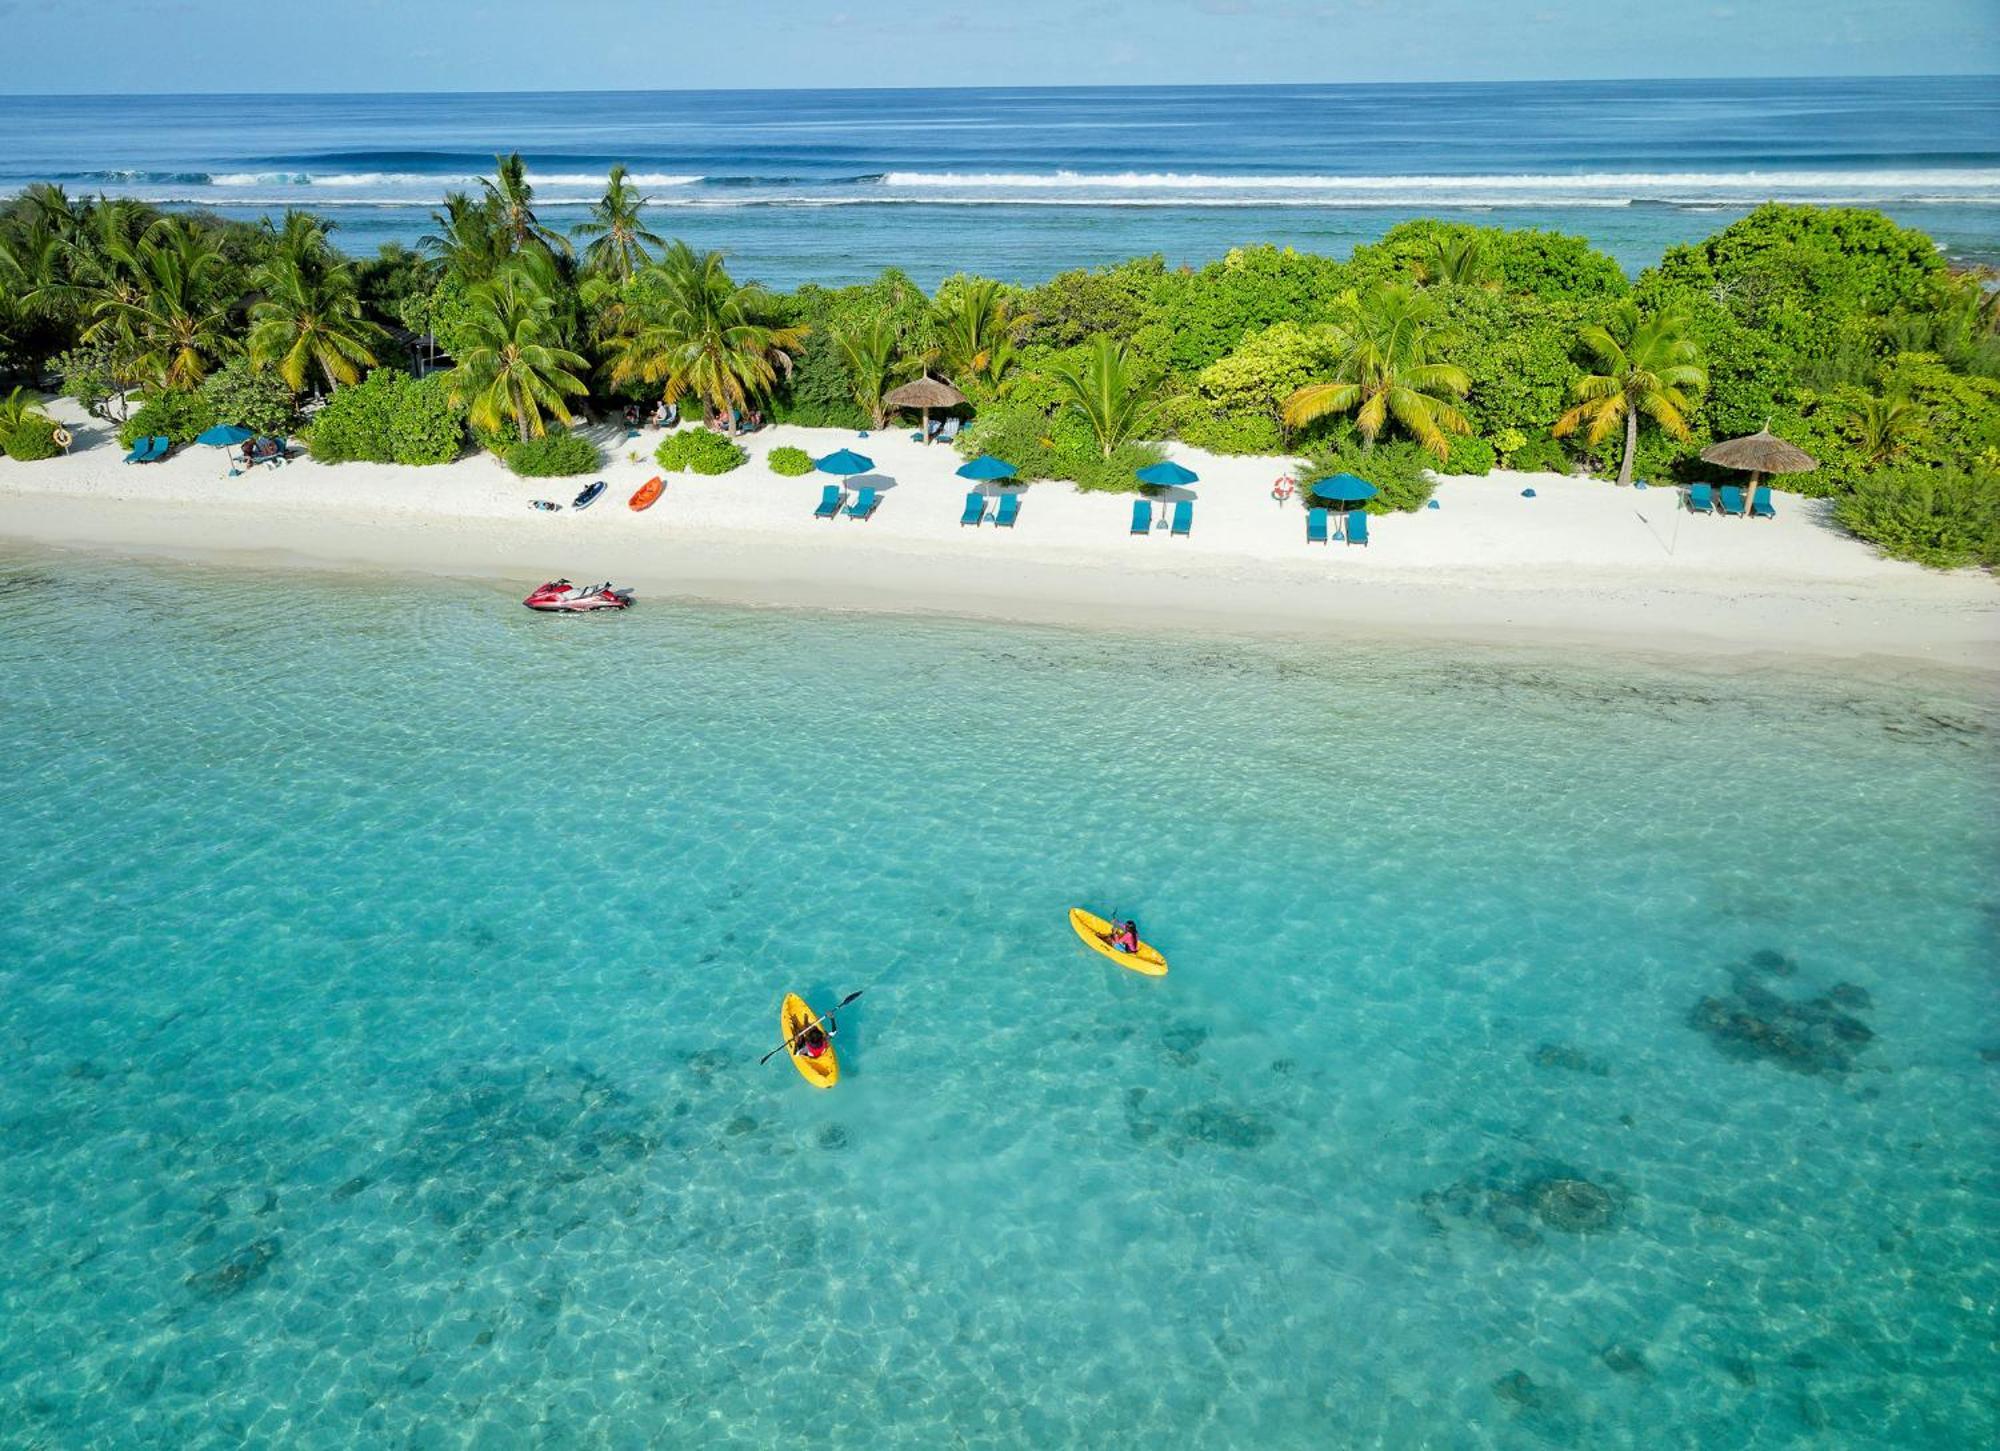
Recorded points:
(505, 45)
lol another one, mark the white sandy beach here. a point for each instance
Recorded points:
(1584, 561)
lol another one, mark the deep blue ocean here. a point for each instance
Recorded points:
(831, 186)
(1557, 1052)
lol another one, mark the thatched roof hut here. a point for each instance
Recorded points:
(1759, 453)
(925, 393)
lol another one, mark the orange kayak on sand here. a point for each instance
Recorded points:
(648, 493)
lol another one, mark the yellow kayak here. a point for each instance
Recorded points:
(1097, 932)
(820, 1072)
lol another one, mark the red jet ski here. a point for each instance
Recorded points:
(559, 596)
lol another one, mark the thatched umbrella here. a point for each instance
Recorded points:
(924, 393)
(1760, 453)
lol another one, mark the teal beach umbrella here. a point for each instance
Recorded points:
(845, 462)
(986, 467)
(1344, 489)
(226, 436)
(1167, 474)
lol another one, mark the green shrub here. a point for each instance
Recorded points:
(179, 416)
(426, 426)
(553, 456)
(1945, 518)
(1091, 470)
(260, 401)
(789, 462)
(1469, 456)
(1399, 472)
(1540, 456)
(389, 417)
(33, 438)
(699, 450)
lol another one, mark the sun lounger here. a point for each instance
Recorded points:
(947, 430)
(865, 500)
(1315, 526)
(1732, 498)
(1760, 503)
(1008, 511)
(142, 452)
(1183, 518)
(1357, 526)
(830, 499)
(162, 446)
(1142, 516)
(974, 512)
(1700, 499)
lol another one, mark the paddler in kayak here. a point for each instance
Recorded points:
(812, 1043)
(1126, 938)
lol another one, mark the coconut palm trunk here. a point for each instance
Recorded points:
(1631, 447)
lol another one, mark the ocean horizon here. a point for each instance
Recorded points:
(1019, 183)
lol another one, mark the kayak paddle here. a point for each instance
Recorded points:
(817, 1019)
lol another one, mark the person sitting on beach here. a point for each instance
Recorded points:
(813, 1043)
(1126, 938)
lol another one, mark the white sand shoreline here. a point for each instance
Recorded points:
(1584, 564)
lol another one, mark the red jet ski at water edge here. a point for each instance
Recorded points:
(559, 596)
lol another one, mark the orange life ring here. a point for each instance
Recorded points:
(1284, 488)
(61, 437)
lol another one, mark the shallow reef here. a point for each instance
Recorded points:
(1517, 1201)
(1816, 1035)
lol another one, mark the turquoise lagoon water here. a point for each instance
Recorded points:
(1555, 1054)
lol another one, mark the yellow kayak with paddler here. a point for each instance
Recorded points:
(1096, 933)
(793, 1019)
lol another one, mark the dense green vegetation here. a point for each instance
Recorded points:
(553, 456)
(789, 463)
(1441, 347)
(699, 451)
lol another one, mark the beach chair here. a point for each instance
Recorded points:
(1357, 527)
(974, 512)
(1315, 526)
(1760, 503)
(1142, 516)
(1732, 498)
(864, 503)
(1183, 518)
(142, 451)
(1700, 499)
(1008, 511)
(830, 499)
(162, 446)
(947, 430)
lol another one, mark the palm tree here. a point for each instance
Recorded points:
(977, 332)
(512, 199)
(870, 352)
(468, 240)
(172, 311)
(1461, 259)
(508, 371)
(1649, 365)
(1384, 371)
(1884, 426)
(692, 330)
(622, 238)
(1106, 390)
(309, 317)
